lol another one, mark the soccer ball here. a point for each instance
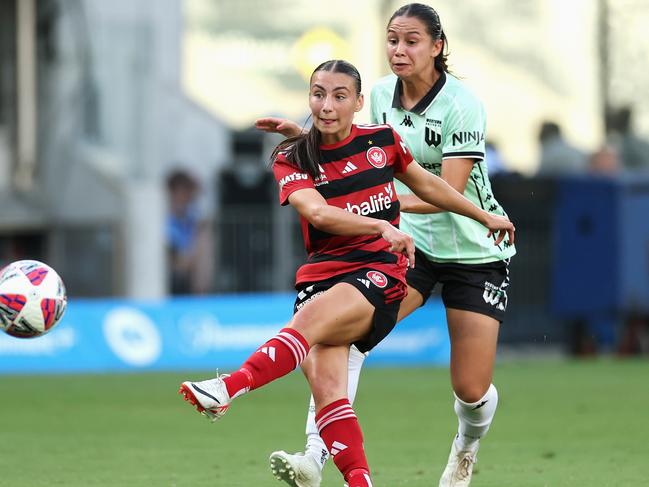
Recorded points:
(32, 298)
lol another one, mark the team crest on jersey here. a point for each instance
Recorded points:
(377, 157)
(378, 278)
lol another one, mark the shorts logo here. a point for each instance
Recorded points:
(305, 296)
(378, 279)
(377, 157)
(364, 282)
(495, 296)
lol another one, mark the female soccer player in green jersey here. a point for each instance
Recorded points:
(443, 125)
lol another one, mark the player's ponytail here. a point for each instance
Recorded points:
(304, 150)
(441, 60)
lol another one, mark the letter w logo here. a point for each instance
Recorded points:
(432, 137)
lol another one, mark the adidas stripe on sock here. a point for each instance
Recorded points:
(274, 359)
(339, 428)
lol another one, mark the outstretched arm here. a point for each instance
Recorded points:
(283, 126)
(331, 219)
(437, 192)
(455, 172)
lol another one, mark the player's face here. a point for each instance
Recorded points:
(333, 102)
(410, 48)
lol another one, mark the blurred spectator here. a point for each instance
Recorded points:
(28, 245)
(247, 192)
(189, 237)
(632, 149)
(557, 155)
(605, 161)
(495, 163)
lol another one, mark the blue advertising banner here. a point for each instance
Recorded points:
(106, 335)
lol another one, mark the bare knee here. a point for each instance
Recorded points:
(471, 391)
(327, 391)
(327, 375)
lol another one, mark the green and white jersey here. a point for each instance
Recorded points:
(448, 123)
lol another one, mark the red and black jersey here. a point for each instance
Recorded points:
(356, 174)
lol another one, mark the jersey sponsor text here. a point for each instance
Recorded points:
(292, 177)
(376, 203)
(461, 138)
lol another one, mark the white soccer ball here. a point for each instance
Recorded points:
(32, 298)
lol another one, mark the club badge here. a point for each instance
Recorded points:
(377, 157)
(378, 279)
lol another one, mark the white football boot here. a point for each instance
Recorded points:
(459, 468)
(210, 397)
(298, 470)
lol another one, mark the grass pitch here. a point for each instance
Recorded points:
(559, 424)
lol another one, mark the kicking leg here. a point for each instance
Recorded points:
(341, 315)
(274, 359)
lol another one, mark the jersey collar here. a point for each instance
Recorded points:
(422, 105)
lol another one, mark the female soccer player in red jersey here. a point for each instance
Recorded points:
(339, 178)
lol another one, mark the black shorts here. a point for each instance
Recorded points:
(481, 288)
(382, 291)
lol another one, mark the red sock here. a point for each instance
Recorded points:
(359, 478)
(274, 359)
(339, 429)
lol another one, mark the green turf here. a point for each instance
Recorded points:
(558, 424)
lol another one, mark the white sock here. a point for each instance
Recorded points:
(314, 444)
(356, 360)
(475, 418)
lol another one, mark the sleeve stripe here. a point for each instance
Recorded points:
(469, 154)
